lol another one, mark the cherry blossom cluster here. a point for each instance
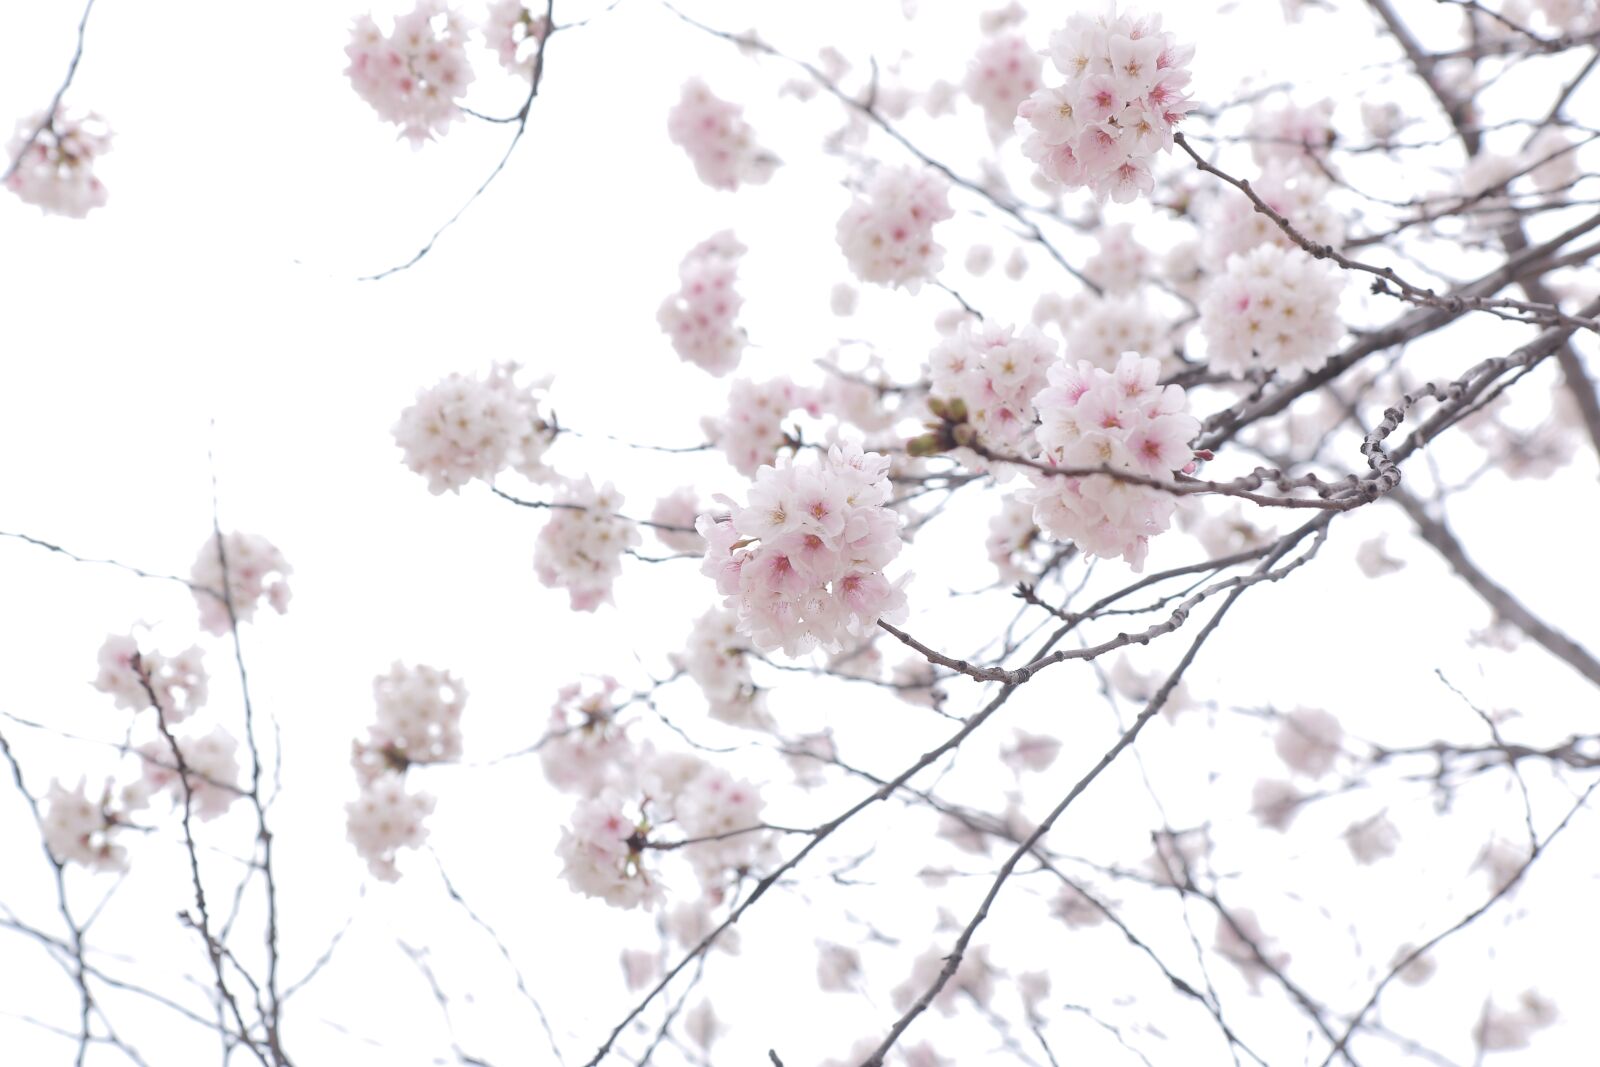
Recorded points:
(1117, 109)
(672, 520)
(994, 371)
(55, 172)
(718, 817)
(1123, 420)
(210, 785)
(178, 682)
(585, 747)
(580, 549)
(413, 76)
(1003, 73)
(1275, 308)
(385, 818)
(514, 32)
(465, 428)
(699, 316)
(418, 721)
(717, 138)
(751, 433)
(256, 572)
(602, 854)
(887, 233)
(716, 659)
(78, 827)
(802, 563)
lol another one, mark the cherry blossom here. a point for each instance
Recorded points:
(384, 819)
(413, 76)
(419, 721)
(78, 828)
(514, 31)
(179, 682)
(1275, 308)
(1308, 741)
(678, 508)
(602, 854)
(699, 317)
(887, 233)
(994, 371)
(802, 563)
(716, 660)
(580, 549)
(751, 432)
(213, 771)
(256, 572)
(55, 170)
(717, 138)
(1123, 95)
(1095, 418)
(465, 428)
(1003, 73)
(585, 748)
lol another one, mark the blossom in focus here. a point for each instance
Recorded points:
(1122, 420)
(1117, 109)
(801, 563)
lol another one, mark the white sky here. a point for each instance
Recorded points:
(211, 307)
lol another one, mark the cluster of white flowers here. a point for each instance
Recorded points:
(717, 138)
(584, 747)
(1234, 225)
(580, 549)
(887, 234)
(1123, 420)
(751, 433)
(716, 660)
(699, 316)
(78, 828)
(465, 428)
(55, 173)
(413, 76)
(419, 721)
(384, 819)
(1288, 133)
(179, 682)
(1275, 308)
(1373, 839)
(994, 371)
(1012, 536)
(802, 564)
(1117, 109)
(1121, 262)
(256, 571)
(1003, 73)
(514, 32)
(213, 771)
